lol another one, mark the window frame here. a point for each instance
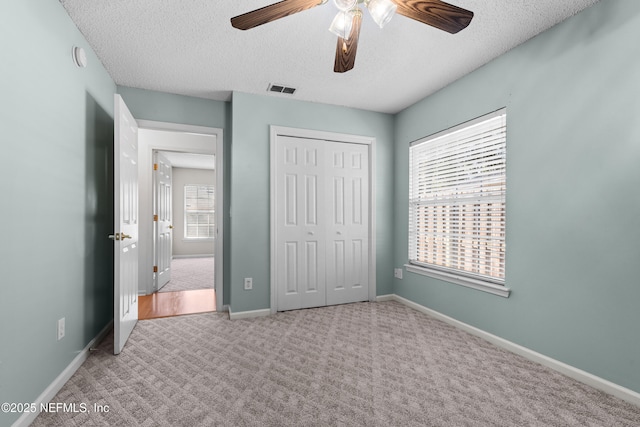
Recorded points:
(210, 212)
(483, 282)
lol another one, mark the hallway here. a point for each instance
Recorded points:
(168, 304)
(190, 290)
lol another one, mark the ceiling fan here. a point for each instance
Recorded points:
(346, 24)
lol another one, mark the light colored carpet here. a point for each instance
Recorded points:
(364, 364)
(191, 273)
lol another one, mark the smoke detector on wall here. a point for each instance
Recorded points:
(79, 57)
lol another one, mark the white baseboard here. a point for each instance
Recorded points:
(249, 314)
(568, 370)
(49, 393)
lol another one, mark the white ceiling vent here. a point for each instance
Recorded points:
(281, 89)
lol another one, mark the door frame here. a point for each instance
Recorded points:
(145, 158)
(275, 133)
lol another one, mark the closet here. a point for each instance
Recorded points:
(321, 226)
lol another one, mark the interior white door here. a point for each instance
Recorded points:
(322, 214)
(163, 217)
(347, 213)
(125, 287)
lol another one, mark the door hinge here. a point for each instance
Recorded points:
(155, 166)
(155, 268)
(155, 217)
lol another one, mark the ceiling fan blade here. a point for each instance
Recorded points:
(272, 12)
(346, 49)
(436, 13)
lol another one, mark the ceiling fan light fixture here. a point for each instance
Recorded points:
(342, 24)
(381, 10)
(345, 5)
(347, 24)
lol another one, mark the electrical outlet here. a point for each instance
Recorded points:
(397, 273)
(60, 329)
(248, 283)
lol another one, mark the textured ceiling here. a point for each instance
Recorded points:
(190, 48)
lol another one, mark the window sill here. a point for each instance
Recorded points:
(460, 280)
(197, 240)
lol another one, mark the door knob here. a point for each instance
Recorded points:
(339, 233)
(124, 236)
(310, 233)
(114, 236)
(170, 227)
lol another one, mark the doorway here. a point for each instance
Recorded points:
(182, 146)
(184, 209)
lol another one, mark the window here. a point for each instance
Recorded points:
(199, 214)
(457, 188)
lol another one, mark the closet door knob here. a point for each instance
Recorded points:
(310, 233)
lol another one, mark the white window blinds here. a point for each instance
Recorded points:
(199, 214)
(457, 190)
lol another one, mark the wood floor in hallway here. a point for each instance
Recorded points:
(167, 304)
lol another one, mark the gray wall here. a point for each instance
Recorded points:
(251, 116)
(56, 133)
(182, 177)
(166, 107)
(573, 169)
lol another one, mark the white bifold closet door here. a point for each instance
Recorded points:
(322, 223)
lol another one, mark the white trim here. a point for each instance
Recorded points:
(372, 221)
(319, 134)
(565, 369)
(146, 160)
(249, 314)
(468, 282)
(275, 132)
(179, 127)
(193, 256)
(500, 112)
(388, 297)
(49, 393)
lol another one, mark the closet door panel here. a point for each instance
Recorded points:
(300, 245)
(348, 227)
